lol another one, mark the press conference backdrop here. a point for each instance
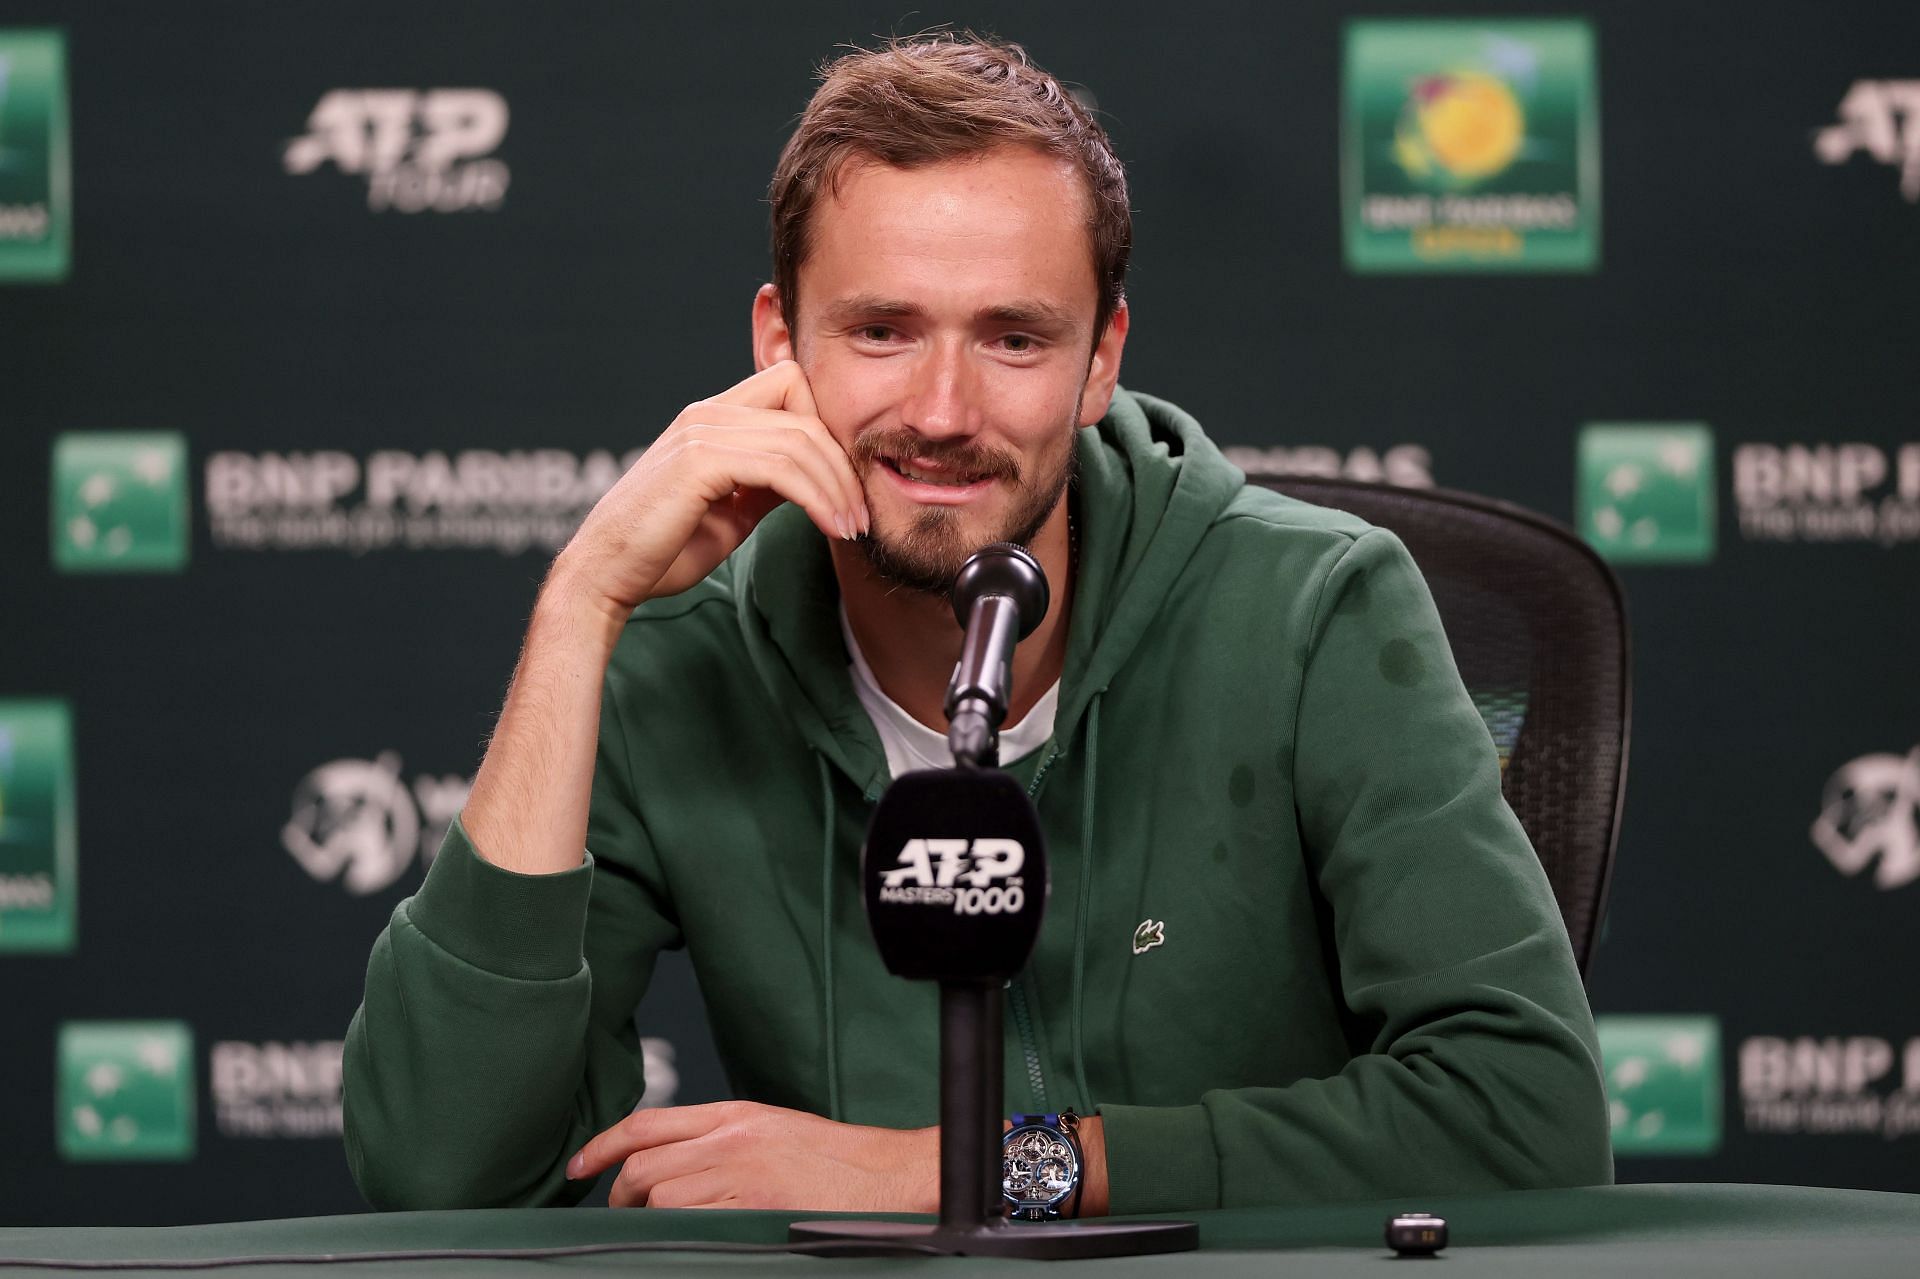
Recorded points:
(322, 324)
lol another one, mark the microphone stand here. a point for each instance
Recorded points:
(972, 1219)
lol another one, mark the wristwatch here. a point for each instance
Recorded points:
(1040, 1165)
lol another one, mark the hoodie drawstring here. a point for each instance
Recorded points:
(826, 940)
(1086, 902)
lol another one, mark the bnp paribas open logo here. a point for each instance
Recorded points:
(37, 853)
(1470, 146)
(1663, 1084)
(126, 1090)
(120, 503)
(1646, 492)
(35, 182)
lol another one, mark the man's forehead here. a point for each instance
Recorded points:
(1004, 231)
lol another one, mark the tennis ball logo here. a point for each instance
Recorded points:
(1465, 124)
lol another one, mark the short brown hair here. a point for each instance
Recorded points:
(922, 99)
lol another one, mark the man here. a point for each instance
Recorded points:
(1297, 946)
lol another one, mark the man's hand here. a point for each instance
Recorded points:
(700, 488)
(740, 1154)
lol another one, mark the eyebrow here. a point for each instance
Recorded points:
(1027, 312)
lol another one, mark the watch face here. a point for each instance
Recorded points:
(1037, 1166)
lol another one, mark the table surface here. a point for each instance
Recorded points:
(1682, 1229)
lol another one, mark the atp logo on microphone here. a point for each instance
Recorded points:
(974, 876)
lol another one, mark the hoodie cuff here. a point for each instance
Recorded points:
(528, 927)
(1159, 1159)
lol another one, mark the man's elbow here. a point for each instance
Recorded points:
(1564, 1138)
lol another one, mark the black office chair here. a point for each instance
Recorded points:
(1538, 626)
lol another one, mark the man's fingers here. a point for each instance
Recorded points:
(802, 434)
(799, 392)
(734, 467)
(641, 1130)
(778, 386)
(785, 434)
(644, 1170)
(708, 1188)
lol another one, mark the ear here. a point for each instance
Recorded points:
(772, 340)
(1103, 372)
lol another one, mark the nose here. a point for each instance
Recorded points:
(942, 401)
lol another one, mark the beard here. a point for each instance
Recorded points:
(927, 554)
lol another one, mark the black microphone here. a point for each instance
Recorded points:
(954, 878)
(999, 597)
(954, 873)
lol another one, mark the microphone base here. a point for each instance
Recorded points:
(1034, 1241)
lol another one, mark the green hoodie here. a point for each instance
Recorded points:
(1361, 986)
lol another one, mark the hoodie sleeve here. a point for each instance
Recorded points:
(496, 1034)
(1482, 1071)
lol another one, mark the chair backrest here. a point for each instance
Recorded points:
(1538, 626)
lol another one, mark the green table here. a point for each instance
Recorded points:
(1612, 1230)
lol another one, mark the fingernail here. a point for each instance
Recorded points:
(840, 523)
(576, 1166)
(866, 519)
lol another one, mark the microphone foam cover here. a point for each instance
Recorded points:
(955, 875)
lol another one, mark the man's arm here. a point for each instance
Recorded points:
(685, 506)
(1482, 1070)
(495, 1035)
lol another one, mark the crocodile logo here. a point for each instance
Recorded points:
(1151, 933)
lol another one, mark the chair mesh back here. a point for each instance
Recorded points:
(1538, 628)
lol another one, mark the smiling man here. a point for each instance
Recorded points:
(1297, 946)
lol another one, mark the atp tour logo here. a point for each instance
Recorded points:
(1882, 118)
(1869, 811)
(357, 821)
(420, 150)
(975, 877)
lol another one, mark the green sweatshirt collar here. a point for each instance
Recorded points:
(1149, 485)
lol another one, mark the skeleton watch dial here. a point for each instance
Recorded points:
(1037, 1166)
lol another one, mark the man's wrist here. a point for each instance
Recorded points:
(927, 1193)
(568, 604)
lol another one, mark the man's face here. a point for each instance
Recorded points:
(945, 324)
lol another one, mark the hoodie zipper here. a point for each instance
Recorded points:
(1017, 988)
(1023, 1026)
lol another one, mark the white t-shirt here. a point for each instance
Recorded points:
(912, 745)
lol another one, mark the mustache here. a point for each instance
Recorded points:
(959, 455)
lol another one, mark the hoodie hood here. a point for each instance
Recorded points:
(1148, 486)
